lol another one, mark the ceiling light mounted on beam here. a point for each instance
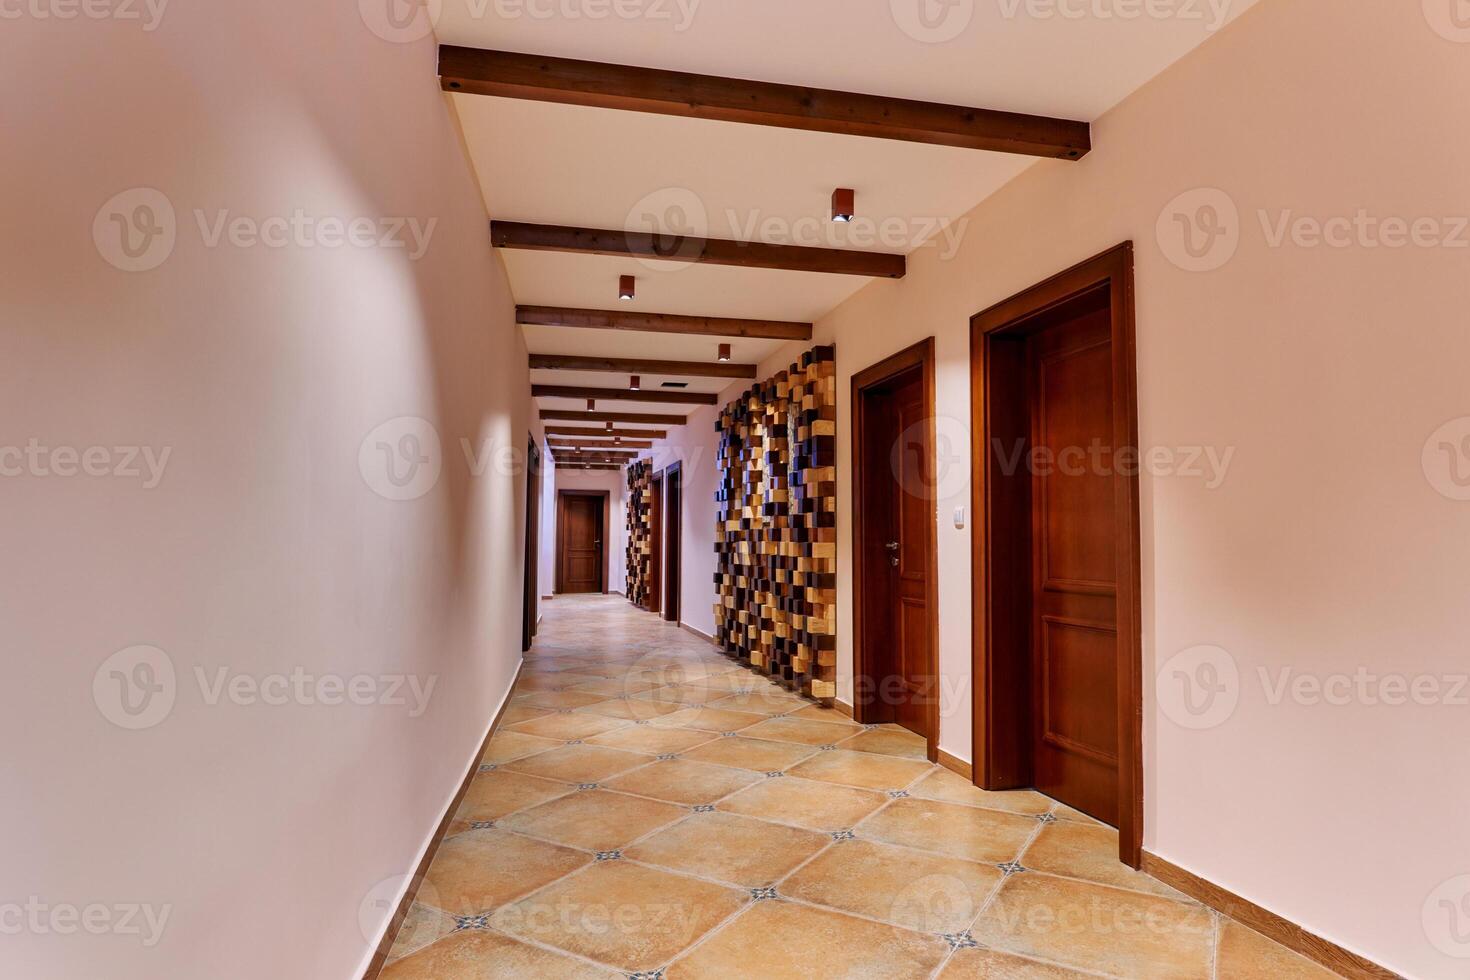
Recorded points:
(633, 383)
(724, 352)
(843, 207)
(592, 404)
(626, 288)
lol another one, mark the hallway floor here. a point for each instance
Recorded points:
(649, 808)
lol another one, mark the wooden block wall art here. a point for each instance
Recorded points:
(776, 527)
(640, 533)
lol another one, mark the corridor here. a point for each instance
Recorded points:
(649, 808)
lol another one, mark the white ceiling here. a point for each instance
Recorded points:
(597, 168)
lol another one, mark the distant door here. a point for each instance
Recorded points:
(580, 530)
(533, 547)
(1074, 584)
(673, 538)
(895, 529)
(654, 601)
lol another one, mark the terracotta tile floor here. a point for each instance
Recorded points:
(650, 809)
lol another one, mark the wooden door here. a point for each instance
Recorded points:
(895, 528)
(581, 543)
(532, 588)
(655, 545)
(1074, 561)
(673, 537)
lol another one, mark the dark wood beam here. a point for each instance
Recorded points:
(634, 365)
(598, 444)
(596, 458)
(673, 93)
(588, 466)
(714, 251)
(636, 418)
(703, 326)
(626, 395)
(577, 430)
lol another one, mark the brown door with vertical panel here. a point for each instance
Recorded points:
(895, 535)
(655, 546)
(581, 538)
(1074, 625)
(673, 539)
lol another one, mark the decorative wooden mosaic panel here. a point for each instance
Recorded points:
(776, 526)
(640, 534)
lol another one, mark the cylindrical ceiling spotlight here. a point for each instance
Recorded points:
(625, 287)
(843, 207)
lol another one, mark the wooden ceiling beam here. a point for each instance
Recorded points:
(626, 395)
(598, 444)
(587, 466)
(539, 78)
(703, 326)
(713, 251)
(577, 430)
(634, 365)
(636, 418)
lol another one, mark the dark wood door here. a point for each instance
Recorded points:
(898, 505)
(533, 546)
(581, 537)
(673, 538)
(1074, 589)
(655, 546)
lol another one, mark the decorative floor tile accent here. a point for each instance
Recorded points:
(960, 940)
(762, 894)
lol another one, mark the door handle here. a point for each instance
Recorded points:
(892, 547)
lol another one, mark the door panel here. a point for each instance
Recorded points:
(894, 537)
(581, 557)
(1074, 587)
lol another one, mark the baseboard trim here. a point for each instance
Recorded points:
(956, 765)
(700, 633)
(1267, 923)
(380, 957)
(843, 707)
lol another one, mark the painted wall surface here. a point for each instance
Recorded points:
(617, 521)
(1301, 378)
(202, 468)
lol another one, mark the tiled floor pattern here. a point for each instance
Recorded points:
(650, 809)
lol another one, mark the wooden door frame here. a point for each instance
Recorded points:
(533, 545)
(920, 355)
(654, 598)
(561, 538)
(994, 725)
(672, 475)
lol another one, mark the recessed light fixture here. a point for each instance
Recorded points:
(724, 352)
(842, 204)
(625, 287)
(633, 383)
